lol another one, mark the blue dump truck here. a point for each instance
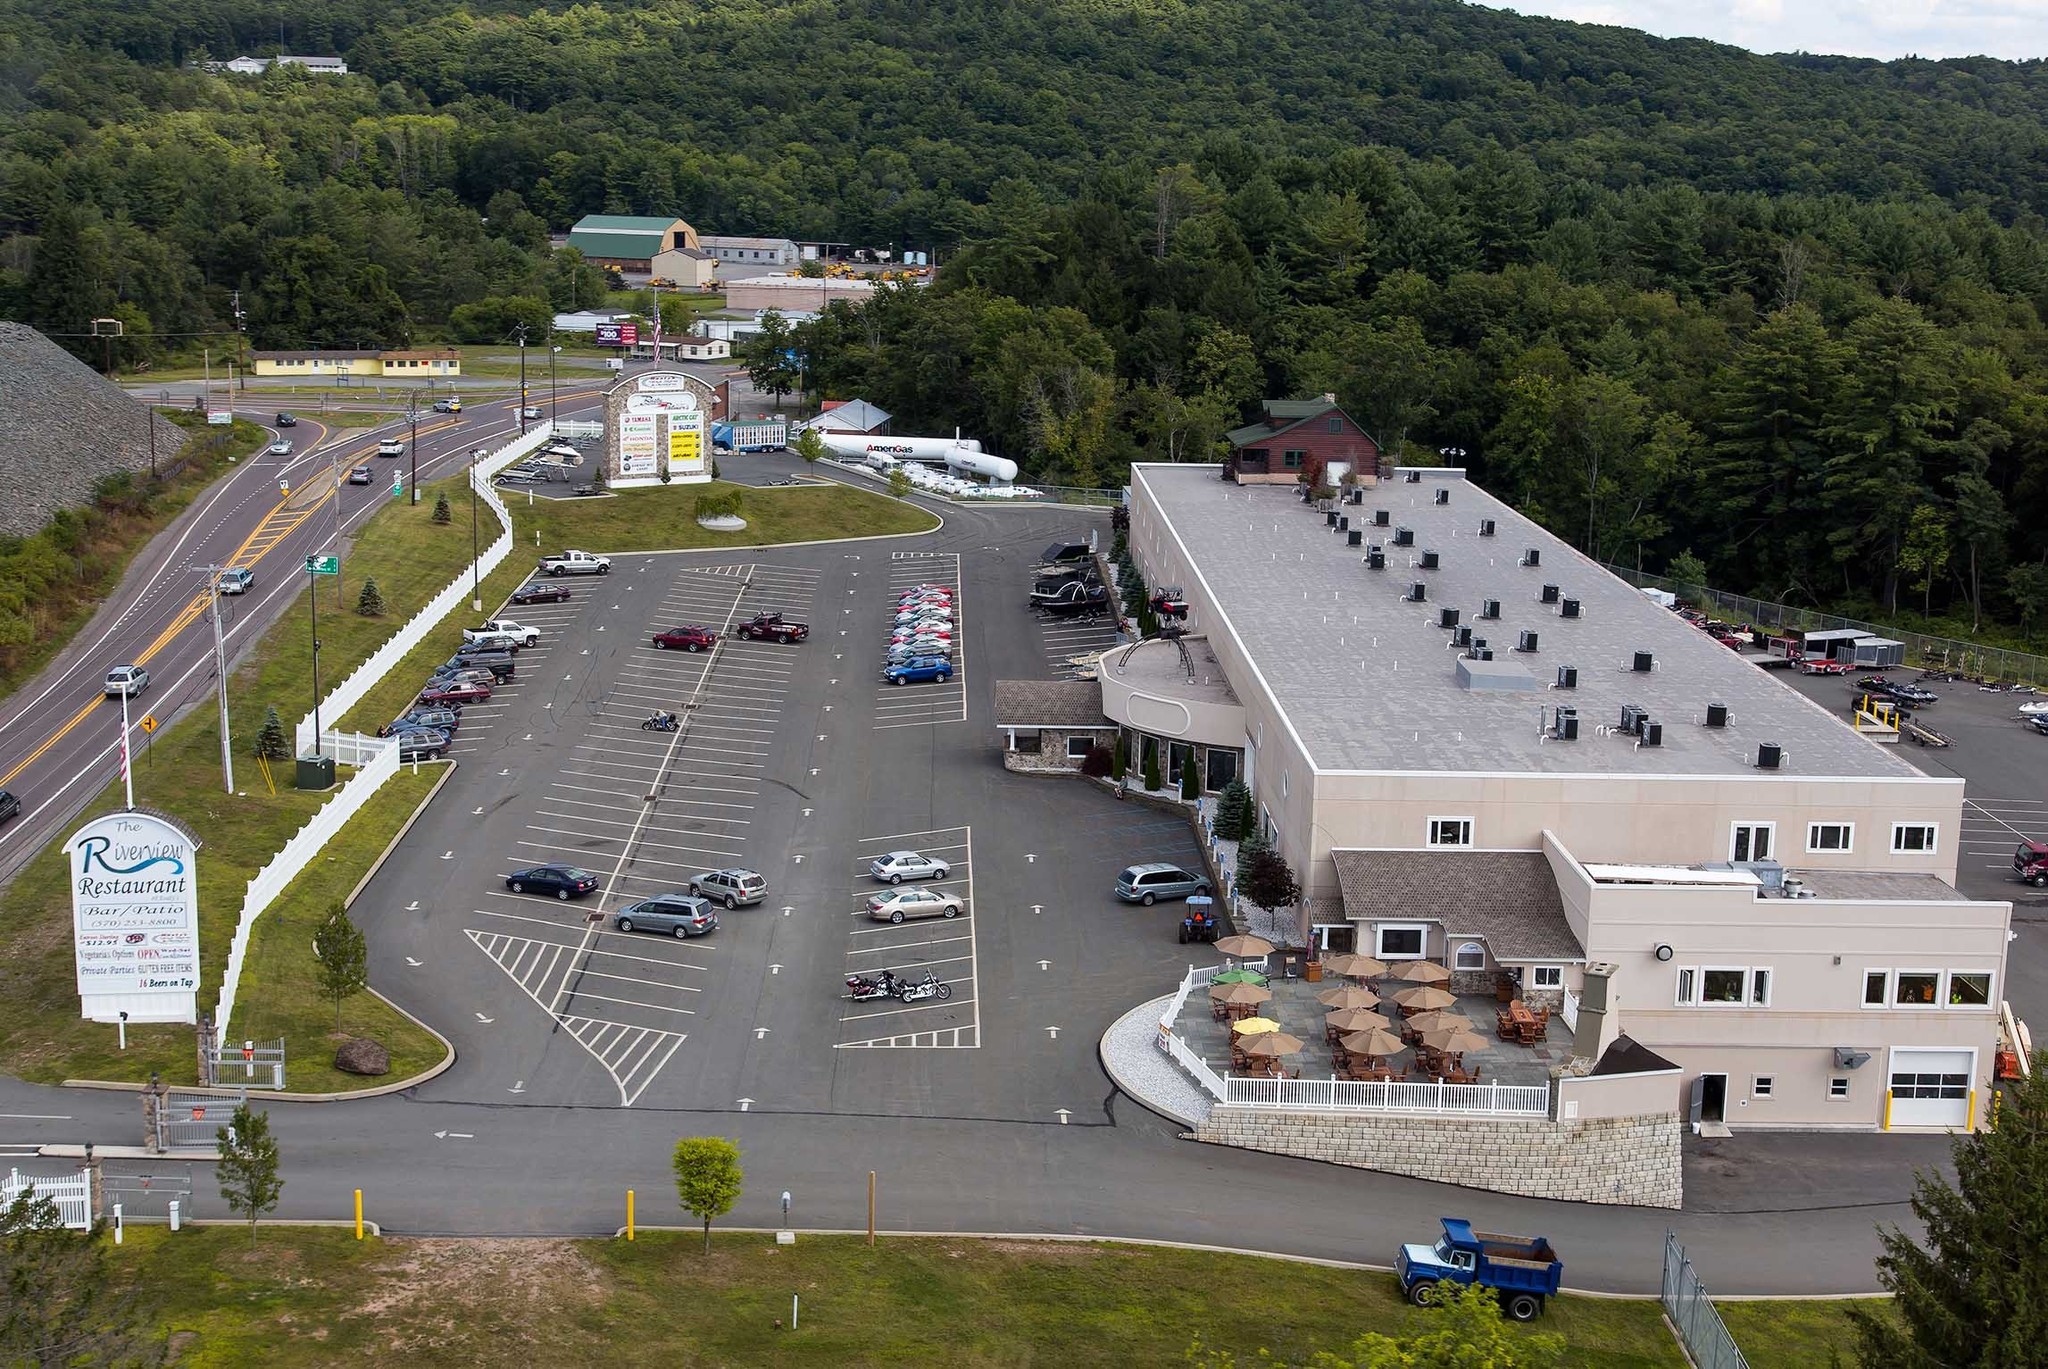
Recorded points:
(1524, 1270)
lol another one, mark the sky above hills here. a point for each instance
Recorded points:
(2013, 29)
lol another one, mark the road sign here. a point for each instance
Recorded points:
(149, 722)
(397, 486)
(323, 565)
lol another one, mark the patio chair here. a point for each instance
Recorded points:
(1504, 1025)
(1542, 1032)
(1528, 1033)
(1219, 1012)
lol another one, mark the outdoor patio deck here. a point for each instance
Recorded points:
(1295, 1008)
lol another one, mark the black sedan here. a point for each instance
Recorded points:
(540, 593)
(563, 881)
(10, 805)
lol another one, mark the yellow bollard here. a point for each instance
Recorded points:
(1970, 1117)
(1887, 1109)
(359, 1214)
(629, 1214)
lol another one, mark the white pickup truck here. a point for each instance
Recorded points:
(575, 563)
(501, 631)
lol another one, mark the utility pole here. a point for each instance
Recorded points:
(220, 672)
(127, 777)
(313, 602)
(553, 352)
(476, 593)
(521, 331)
(334, 479)
(239, 366)
(412, 413)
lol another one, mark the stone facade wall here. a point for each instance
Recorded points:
(1631, 1161)
(1051, 756)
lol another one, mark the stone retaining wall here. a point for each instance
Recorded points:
(1632, 1161)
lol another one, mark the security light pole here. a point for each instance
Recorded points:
(220, 672)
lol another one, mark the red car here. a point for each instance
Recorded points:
(454, 692)
(686, 639)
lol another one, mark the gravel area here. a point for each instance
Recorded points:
(62, 429)
(1132, 1056)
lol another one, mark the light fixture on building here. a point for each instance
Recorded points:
(1663, 951)
(1849, 1058)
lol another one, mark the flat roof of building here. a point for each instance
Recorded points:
(1368, 679)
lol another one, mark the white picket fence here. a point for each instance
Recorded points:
(285, 866)
(71, 1193)
(354, 749)
(455, 593)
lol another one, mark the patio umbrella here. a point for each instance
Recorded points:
(1254, 1026)
(1239, 993)
(1437, 1019)
(1355, 1020)
(1378, 1042)
(1273, 1043)
(1348, 997)
(1353, 966)
(1421, 972)
(1453, 1040)
(1239, 976)
(1424, 997)
(1247, 947)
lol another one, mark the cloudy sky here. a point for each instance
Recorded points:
(2014, 29)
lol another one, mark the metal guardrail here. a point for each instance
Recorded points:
(1699, 1325)
(1351, 1095)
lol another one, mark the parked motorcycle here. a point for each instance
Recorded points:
(928, 987)
(862, 989)
(660, 722)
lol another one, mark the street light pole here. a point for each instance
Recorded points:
(313, 601)
(553, 416)
(476, 593)
(412, 412)
(220, 672)
(522, 380)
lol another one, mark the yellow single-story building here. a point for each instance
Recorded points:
(429, 363)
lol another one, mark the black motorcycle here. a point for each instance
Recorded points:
(862, 989)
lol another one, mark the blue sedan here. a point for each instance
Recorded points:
(922, 669)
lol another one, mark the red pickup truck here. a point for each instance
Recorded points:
(772, 627)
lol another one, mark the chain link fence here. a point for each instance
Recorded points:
(1692, 1313)
(1923, 650)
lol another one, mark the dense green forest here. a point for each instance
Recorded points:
(1783, 313)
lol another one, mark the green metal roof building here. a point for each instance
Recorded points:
(630, 240)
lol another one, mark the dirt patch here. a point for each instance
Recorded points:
(514, 1278)
(1067, 1252)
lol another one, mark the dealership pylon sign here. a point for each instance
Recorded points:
(135, 918)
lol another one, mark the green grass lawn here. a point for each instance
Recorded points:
(1795, 1334)
(42, 1037)
(318, 1297)
(348, 418)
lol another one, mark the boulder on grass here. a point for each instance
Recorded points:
(360, 1055)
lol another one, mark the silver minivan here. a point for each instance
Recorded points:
(1147, 883)
(669, 914)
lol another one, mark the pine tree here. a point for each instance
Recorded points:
(344, 958)
(1120, 760)
(1969, 1297)
(370, 603)
(1152, 784)
(1232, 807)
(442, 513)
(1190, 782)
(271, 742)
(249, 1180)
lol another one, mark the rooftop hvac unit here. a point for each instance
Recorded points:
(1769, 755)
(1653, 733)
(1567, 724)
(1308, 495)
(1447, 617)
(1533, 556)
(1354, 537)
(1404, 537)
(1717, 715)
(1489, 608)
(1548, 596)
(1375, 559)
(1382, 517)
(1486, 527)
(1443, 496)
(1343, 522)
(1413, 477)
(1632, 716)
(1481, 653)
(1526, 642)
(1329, 518)
(1569, 608)
(1461, 637)
(1355, 497)
(1479, 644)
(1418, 592)
(1429, 560)
(1644, 663)
(1567, 677)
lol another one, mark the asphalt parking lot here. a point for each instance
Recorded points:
(797, 761)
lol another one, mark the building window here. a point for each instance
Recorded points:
(1450, 831)
(1471, 956)
(1292, 460)
(1759, 988)
(1762, 1086)
(1688, 979)
(1838, 1087)
(1399, 941)
(1079, 746)
(1877, 985)
(1547, 977)
(1724, 986)
(1917, 989)
(1969, 989)
(1721, 986)
(1913, 838)
(1336, 425)
(1752, 841)
(1222, 768)
(1283, 784)
(1830, 836)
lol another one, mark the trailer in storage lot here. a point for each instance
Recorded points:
(751, 435)
(1835, 644)
(1879, 653)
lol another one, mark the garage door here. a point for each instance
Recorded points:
(1931, 1088)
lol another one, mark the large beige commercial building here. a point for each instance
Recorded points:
(1475, 745)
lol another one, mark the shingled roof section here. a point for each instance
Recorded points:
(1509, 898)
(1049, 703)
(1629, 1056)
(63, 429)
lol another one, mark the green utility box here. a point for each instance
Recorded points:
(316, 772)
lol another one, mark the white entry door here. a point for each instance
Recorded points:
(1931, 1088)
